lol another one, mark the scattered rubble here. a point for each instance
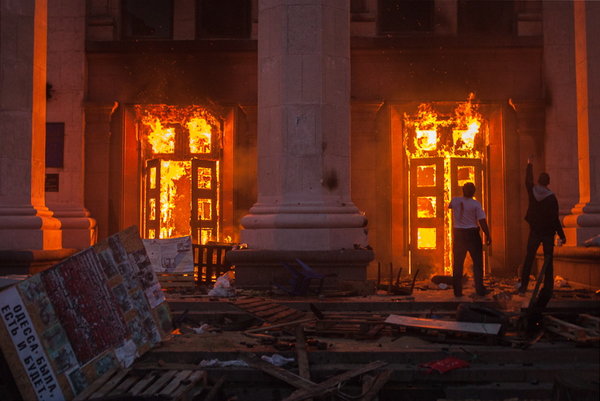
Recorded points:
(230, 344)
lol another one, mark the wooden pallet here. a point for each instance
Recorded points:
(350, 325)
(210, 261)
(572, 331)
(177, 384)
(268, 311)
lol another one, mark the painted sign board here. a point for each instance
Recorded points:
(99, 309)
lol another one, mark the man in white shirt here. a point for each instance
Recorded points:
(468, 216)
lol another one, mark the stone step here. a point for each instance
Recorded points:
(375, 304)
(191, 348)
(403, 373)
(500, 391)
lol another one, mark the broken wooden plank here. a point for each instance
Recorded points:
(174, 383)
(248, 301)
(215, 389)
(110, 385)
(448, 325)
(277, 326)
(374, 330)
(569, 330)
(125, 385)
(330, 384)
(589, 321)
(282, 315)
(161, 365)
(157, 385)
(270, 312)
(99, 382)
(377, 384)
(277, 372)
(187, 385)
(143, 383)
(261, 307)
(301, 353)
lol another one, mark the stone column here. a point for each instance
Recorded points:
(66, 41)
(584, 220)
(25, 221)
(304, 204)
(98, 117)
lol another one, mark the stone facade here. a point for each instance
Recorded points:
(533, 82)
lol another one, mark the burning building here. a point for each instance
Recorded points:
(166, 113)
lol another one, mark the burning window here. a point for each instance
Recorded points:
(180, 149)
(465, 174)
(426, 139)
(200, 135)
(204, 178)
(426, 238)
(426, 206)
(426, 176)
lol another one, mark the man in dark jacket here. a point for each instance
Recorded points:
(542, 216)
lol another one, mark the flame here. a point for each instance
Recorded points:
(429, 135)
(447, 218)
(171, 172)
(467, 121)
(426, 176)
(201, 125)
(175, 135)
(465, 174)
(204, 178)
(161, 139)
(200, 135)
(426, 206)
(426, 237)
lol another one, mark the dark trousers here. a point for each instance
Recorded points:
(467, 240)
(547, 241)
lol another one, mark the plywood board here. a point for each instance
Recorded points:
(449, 325)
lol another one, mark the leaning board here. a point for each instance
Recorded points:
(96, 311)
(435, 324)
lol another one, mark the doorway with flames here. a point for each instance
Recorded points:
(446, 146)
(180, 163)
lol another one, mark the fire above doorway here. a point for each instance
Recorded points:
(445, 147)
(180, 155)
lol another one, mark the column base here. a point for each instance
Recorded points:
(259, 269)
(576, 264)
(31, 261)
(306, 239)
(78, 229)
(576, 236)
(26, 227)
(582, 224)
